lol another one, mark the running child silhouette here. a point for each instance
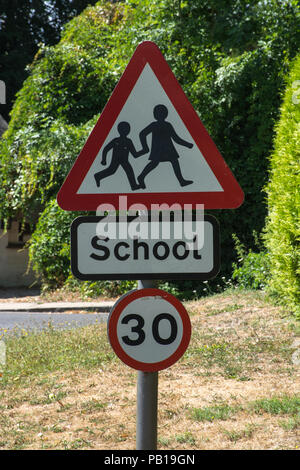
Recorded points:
(121, 147)
(162, 147)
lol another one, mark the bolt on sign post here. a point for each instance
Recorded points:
(148, 153)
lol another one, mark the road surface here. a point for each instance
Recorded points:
(17, 321)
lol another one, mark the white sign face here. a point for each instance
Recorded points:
(155, 336)
(105, 249)
(149, 329)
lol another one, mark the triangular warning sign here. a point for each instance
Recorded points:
(149, 145)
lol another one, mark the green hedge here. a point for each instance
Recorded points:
(282, 233)
(252, 268)
(49, 247)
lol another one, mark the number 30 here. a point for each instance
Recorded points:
(138, 328)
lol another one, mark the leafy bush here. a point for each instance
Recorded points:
(49, 248)
(252, 269)
(89, 289)
(253, 272)
(282, 232)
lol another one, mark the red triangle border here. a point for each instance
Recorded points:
(232, 195)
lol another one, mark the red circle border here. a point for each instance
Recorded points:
(115, 315)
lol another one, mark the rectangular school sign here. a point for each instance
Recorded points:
(139, 248)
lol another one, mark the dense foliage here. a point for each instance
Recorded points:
(50, 244)
(230, 57)
(23, 26)
(282, 235)
(252, 268)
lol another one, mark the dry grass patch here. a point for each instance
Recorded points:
(236, 387)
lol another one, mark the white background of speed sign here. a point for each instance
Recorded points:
(149, 329)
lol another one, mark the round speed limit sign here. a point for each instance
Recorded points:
(149, 329)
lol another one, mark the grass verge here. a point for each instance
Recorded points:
(236, 387)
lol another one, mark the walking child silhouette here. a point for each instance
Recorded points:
(162, 147)
(121, 147)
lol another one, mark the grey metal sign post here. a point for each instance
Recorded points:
(149, 330)
(147, 393)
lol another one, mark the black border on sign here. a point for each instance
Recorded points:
(134, 276)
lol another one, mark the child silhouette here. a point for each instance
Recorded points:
(162, 147)
(121, 147)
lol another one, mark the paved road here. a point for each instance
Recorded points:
(16, 321)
